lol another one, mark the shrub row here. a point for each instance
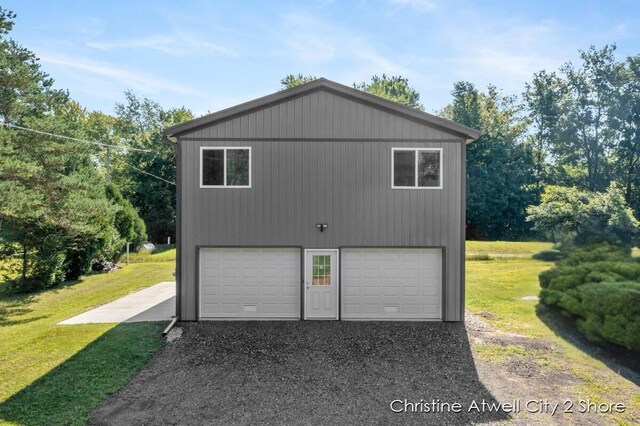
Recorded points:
(600, 287)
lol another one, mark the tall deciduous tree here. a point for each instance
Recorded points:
(139, 124)
(627, 125)
(545, 99)
(586, 139)
(500, 168)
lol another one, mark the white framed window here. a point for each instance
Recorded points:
(416, 168)
(225, 167)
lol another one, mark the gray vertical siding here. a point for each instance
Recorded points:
(321, 158)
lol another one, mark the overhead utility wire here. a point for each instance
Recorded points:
(145, 172)
(96, 143)
(73, 139)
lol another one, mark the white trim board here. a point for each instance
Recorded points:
(224, 172)
(416, 150)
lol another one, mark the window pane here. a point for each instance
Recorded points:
(212, 167)
(321, 270)
(404, 168)
(428, 168)
(238, 167)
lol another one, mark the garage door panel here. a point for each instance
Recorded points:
(249, 283)
(391, 283)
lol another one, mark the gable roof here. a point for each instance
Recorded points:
(331, 86)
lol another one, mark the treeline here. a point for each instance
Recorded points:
(66, 203)
(575, 127)
(58, 213)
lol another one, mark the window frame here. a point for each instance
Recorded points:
(416, 160)
(224, 171)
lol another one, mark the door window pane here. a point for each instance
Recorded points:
(213, 167)
(321, 274)
(238, 167)
(404, 168)
(428, 168)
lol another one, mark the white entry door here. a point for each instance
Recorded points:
(321, 284)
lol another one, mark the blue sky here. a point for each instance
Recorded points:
(210, 55)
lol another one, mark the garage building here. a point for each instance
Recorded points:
(320, 202)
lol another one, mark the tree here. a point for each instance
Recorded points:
(586, 137)
(25, 90)
(585, 217)
(293, 80)
(627, 125)
(54, 214)
(544, 98)
(129, 226)
(394, 88)
(500, 168)
(139, 124)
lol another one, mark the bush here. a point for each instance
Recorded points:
(552, 255)
(128, 224)
(610, 312)
(598, 285)
(595, 253)
(45, 257)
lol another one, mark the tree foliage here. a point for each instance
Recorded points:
(394, 88)
(54, 213)
(585, 217)
(500, 172)
(139, 123)
(293, 80)
(585, 122)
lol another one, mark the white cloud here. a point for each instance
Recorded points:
(315, 41)
(418, 5)
(506, 53)
(178, 44)
(109, 74)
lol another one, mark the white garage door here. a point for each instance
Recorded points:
(386, 284)
(249, 283)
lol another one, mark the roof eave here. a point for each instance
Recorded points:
(430, 119)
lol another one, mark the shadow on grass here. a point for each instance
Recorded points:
(14, 305)
(161, 248)
(306, 372)
(620, 360)
(68, 393)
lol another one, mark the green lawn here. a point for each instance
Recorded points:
(505, 248)
(162, 253)
(53, 374)
(494, 289)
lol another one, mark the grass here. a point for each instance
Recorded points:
(53, 374)
(162, 253)
(505, 248)
(497, 286)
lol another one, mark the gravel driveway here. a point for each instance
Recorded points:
(303, 373)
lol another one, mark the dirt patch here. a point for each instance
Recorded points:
(482, 332)
(535, 370)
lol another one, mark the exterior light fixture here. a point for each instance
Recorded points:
(321, 226)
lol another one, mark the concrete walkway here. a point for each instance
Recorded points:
(155, 303)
